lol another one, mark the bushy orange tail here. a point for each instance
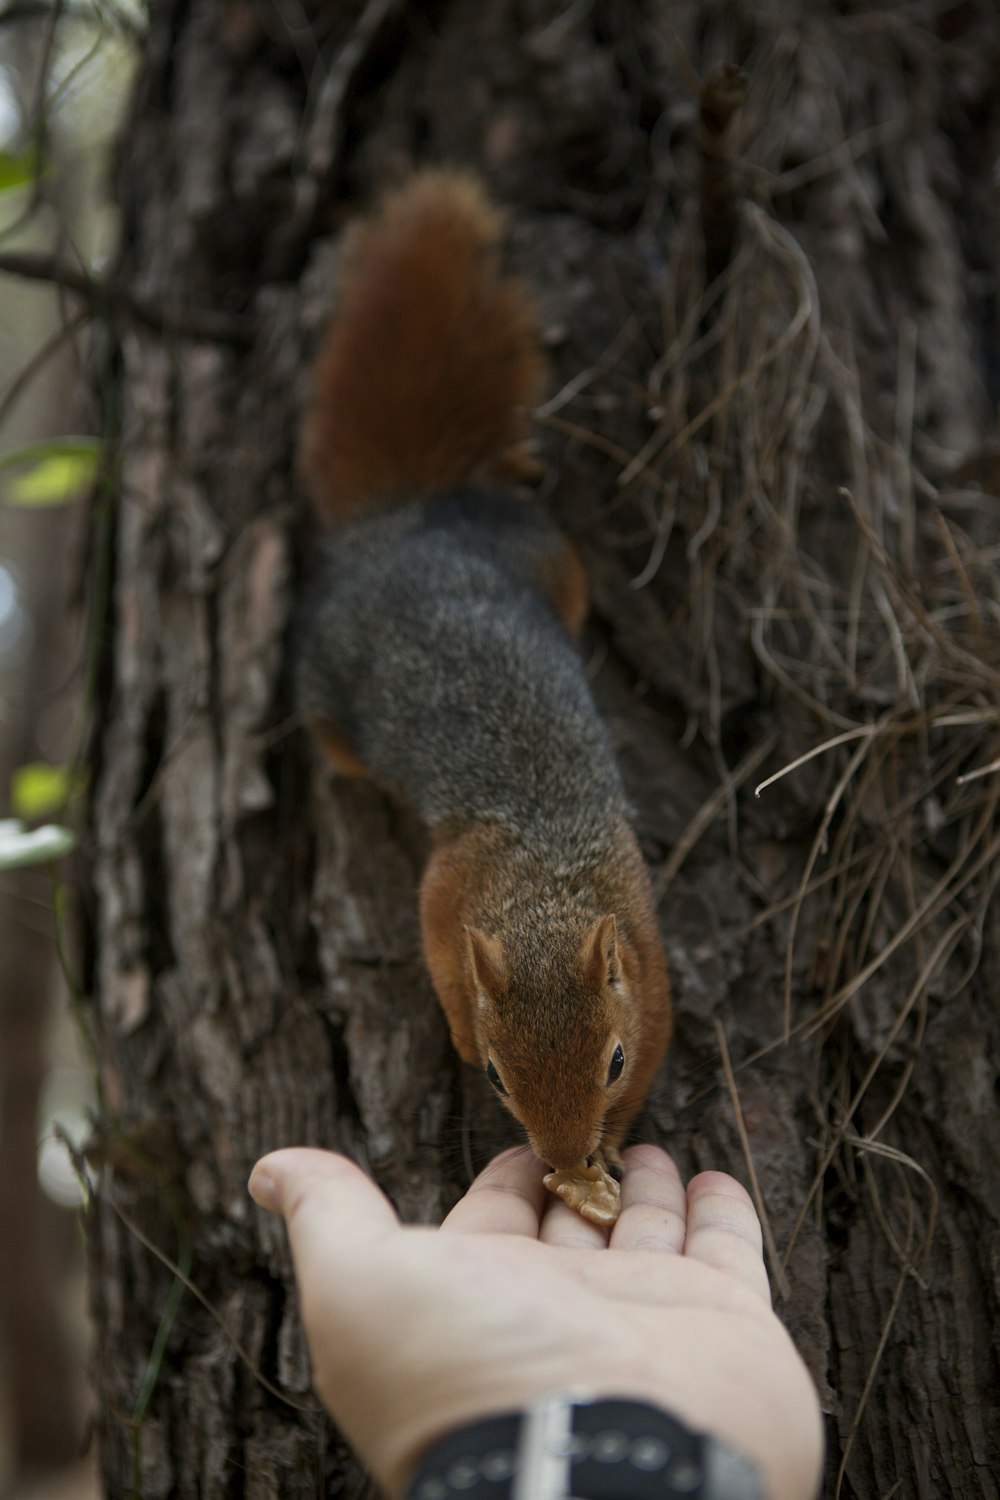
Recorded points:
(431, 356)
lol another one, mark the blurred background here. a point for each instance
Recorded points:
(65, 71)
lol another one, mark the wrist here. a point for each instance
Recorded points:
(574, 1444)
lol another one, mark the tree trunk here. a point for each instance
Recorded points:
(761, 474)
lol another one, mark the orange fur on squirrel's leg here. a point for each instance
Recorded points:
(338, 749)
(566, 588)
(517, 465)
(444, 890)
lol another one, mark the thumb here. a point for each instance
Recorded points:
(327, 1202)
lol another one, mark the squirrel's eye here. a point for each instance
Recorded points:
(495, 1079)
(617, 1063)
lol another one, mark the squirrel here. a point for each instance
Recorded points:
(437, 656)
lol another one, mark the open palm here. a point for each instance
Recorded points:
(415, 1331)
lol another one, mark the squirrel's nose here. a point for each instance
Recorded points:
(566, 1153)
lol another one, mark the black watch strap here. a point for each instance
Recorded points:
(567, 1447)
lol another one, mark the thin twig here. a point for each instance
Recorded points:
(777, 1266)
(708, 811)
(863, 731)
(109, 300)
(38, 360)
(234, 1343)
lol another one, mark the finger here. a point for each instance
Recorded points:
(654, 1203)
(330, 1207)
(563, 1226)
(723, 1230)
(506, 1198)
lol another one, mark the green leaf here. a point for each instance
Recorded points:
(52, 472)
(19, 458)
(38, 790)
(18, 847)
(17, 168)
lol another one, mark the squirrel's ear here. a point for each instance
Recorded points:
(486, 955)
(601, 963)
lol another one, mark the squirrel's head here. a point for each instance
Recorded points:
(555, 1029)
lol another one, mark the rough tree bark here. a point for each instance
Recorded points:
(758, 475)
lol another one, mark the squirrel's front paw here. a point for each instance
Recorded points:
(611, 1159)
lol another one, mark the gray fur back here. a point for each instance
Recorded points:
(426, 643)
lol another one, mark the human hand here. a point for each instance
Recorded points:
(415, 1332)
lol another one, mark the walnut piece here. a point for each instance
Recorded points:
(595, 1196)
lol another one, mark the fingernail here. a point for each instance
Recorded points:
(263, 1189)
